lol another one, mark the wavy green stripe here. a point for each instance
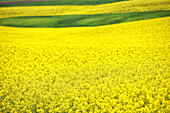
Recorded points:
(4, 1)
(62, 2)
(80, 20)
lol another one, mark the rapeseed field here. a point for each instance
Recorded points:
(118, 7)
(60, 70)
(120, 68)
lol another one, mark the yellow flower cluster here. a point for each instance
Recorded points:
(115, 68)
(118, 7)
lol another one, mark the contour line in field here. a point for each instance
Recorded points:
(80, 20)
(135, 33)
(119, 7)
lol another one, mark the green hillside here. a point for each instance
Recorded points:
(80, 20)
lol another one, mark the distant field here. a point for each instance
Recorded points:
(20, 1)
(4, 1)
(119, 7)
(80, 20)
(54, 2)
(144, 32)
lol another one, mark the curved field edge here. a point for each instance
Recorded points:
(119, 7)
(138, 33)
(56, 2)
(114, 68)
(80, 20)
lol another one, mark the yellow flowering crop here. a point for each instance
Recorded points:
(114, 68)
(119, 7)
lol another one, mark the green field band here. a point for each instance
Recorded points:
(80, 20)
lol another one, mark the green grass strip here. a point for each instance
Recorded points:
(61, 2)
(4, 1)
(80, 20)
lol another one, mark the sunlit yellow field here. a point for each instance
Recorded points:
(119, 7)
(153, 32)
(118, 68)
